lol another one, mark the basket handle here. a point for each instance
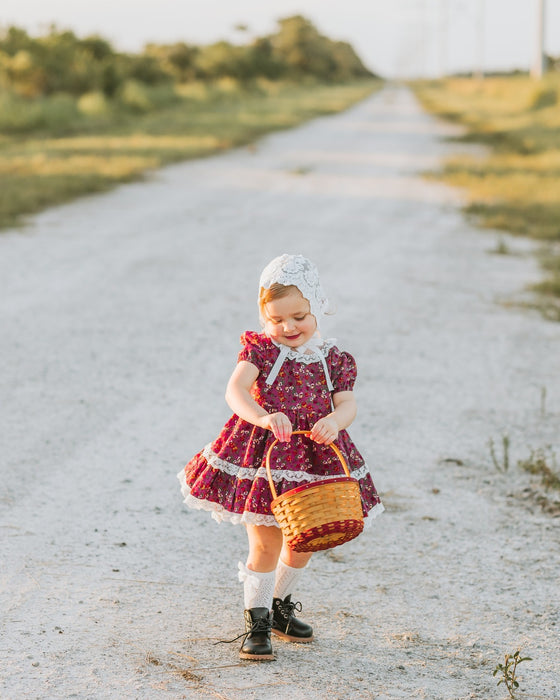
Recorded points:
(307, 433)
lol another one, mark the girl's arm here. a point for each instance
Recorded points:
(326, 429)
(239, 399)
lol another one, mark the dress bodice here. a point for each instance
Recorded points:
(302, 382)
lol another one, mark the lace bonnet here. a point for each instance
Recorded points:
(300, 272)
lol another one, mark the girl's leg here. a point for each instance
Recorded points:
(285, 624)
(265, 544)
(268, 552)
(297, 560)
(289, 570)
(259, 573)
(258, 577)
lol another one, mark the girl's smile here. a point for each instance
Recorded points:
(289, 321)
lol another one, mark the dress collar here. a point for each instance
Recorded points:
(315, 350)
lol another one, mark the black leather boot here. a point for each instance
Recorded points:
(257, 645)
(286, 625)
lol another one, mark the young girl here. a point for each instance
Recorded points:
(287, 378)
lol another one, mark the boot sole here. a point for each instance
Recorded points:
(289, 638)
(256, 657)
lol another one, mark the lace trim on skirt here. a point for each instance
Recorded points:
(253, 473)
(373, 513)
(219, 513)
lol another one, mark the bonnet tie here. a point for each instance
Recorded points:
(277, 366)
(313, 346)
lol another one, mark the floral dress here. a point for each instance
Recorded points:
(228, 477)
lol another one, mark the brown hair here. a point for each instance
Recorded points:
(275, 291)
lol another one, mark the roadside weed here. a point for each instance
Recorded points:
(501, 248)
(543, 401)
(503, 464)
(543, 463)
(508, 671)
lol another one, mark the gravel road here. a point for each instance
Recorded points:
(120, 316)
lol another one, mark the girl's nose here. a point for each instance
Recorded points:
(289, 326)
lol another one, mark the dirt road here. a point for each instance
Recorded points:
(120, 318)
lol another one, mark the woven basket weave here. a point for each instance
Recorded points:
(318, 515)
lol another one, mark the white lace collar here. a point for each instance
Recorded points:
(315, 350)
(309, 352)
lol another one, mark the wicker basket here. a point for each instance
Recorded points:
(318, 515)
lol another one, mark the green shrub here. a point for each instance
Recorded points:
(93, 103)
(195, 90)
(227, 85)
(19, 115)
(60, 112)
(162, 95)
(134, 95)
(545, 97)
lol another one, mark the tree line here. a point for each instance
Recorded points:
(60, 62)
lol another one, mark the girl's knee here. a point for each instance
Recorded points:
(265, 544)
(264, 547)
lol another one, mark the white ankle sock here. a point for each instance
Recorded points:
(286, 579)
(258, 587)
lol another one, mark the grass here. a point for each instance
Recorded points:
(515, 186)
(53, 152)
(503, 464)
(542, 463)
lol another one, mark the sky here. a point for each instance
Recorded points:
(395, 38)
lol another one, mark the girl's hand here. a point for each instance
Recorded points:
(324, 431)
(279, 424)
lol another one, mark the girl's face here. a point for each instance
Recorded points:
(289, 321)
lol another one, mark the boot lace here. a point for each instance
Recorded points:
(287, 608)
(260, 625)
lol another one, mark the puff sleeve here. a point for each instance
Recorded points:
(252, 350)
(343, 370)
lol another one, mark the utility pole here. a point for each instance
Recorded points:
(423, 38)
(540, 58)
(479, 72)
(444, 31)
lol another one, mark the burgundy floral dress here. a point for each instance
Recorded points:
(228, 477)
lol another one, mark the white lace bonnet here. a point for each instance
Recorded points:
(300, 272)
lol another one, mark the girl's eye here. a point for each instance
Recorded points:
(277, 321)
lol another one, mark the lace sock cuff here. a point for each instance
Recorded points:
(286, 579)
(258, 587)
